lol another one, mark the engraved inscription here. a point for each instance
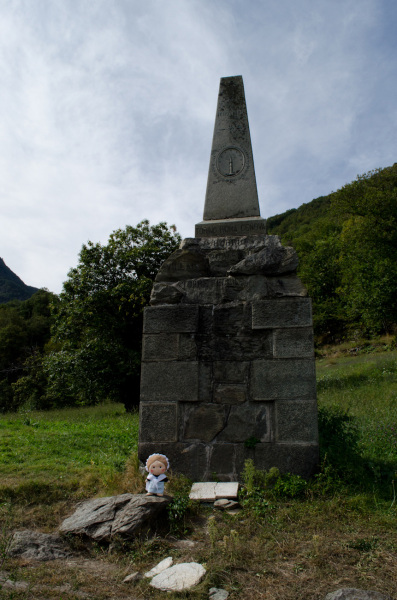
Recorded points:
(239, 228)
(230, 162)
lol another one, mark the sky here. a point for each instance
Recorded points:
(108, 108)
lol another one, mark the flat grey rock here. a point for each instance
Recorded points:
(35, 545)
(225, 504)
(133, 577)
(274, 259)
(209, 491)
(103, 518)
(179, 577)
(356, 594)
(218, 594)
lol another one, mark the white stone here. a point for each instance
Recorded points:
(179, 577)
(133, 577)
(218, 594)
(209, 491)
(162, 566)
(204, 491)
(227, 489)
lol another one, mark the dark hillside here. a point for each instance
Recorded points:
(12, 287)
(298, 221)
(347, 248)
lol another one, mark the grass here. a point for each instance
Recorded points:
(293, 540)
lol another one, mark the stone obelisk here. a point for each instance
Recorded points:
(231, 202)
(228, 358)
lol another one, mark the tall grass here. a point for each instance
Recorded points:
(362, 393)
(64, 449)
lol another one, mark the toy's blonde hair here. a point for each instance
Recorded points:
(160, 457)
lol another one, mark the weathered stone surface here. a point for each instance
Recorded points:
(163, 428)
(103, 518)
(233, 319)
(300, 459)
(247, 421)
(230, 371)
(172, 382)
(160, 346)
(283, 379)
(165, 293)
(288, 286)
(218, 594)
(204, 491)
(234, 347)
(172, 319)
(224, 504)
(204, 422)
(179, 577)
(184, 264)
(356, 594)
(222, 461)
(220, 261)
(168, 346)
(226, 489)
(231, 188)
(285, 312)
(245, 244)
(38, 546)
(221, 290)
(297, 421)
(293, 343)
(162, 566)
(271, 260)
(209, 491)
(230, 394)
(249, 226)
(133, 577)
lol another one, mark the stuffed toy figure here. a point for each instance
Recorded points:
(156, 466)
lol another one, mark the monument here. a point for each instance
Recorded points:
(228, 359)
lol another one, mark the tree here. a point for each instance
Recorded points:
(98, 321)
(24, 331)
(367, 210)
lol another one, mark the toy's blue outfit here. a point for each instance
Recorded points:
(155, 485)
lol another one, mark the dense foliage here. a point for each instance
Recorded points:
(98, 319)
(24, 331)
(347, 245)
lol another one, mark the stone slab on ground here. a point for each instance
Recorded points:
(34, 545)
(209, 491)
(218, 594)
(179, 577)
(124, 515)
(133, 577)
(356, 594)
(162, 566)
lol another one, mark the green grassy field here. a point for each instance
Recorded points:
(298, 542)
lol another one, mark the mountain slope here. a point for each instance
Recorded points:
(12, 287)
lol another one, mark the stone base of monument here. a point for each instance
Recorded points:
(228, 368)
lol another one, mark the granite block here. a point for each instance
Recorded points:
(172, 319)
(281, 313)
(283, 379)
(293, 343)
(158, 422)
(296, 421)
(170, 381)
